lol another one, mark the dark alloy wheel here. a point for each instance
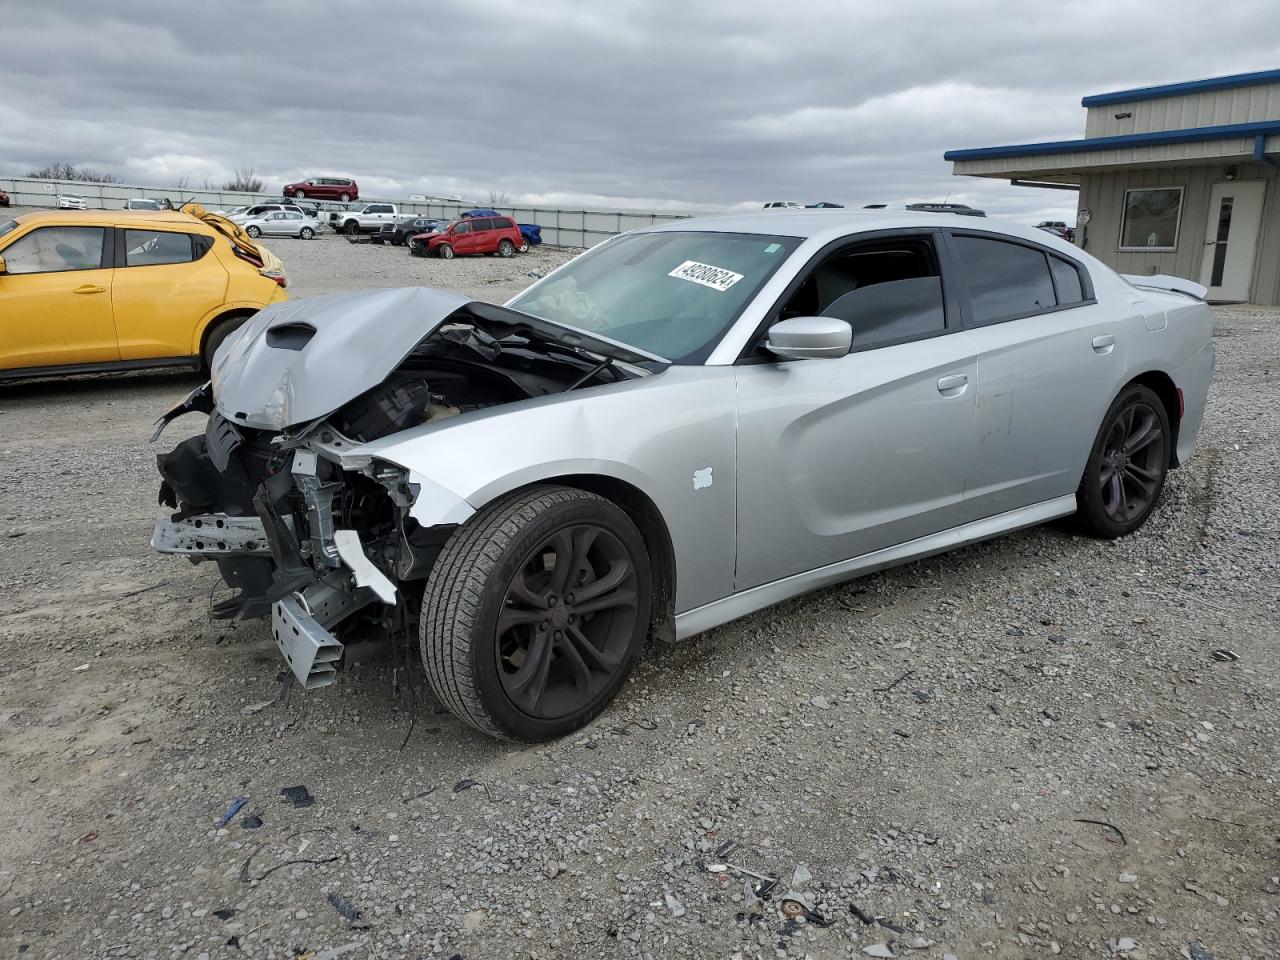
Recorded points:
(352, 228)
(535, 612)
(1128, 464)
(567, 621)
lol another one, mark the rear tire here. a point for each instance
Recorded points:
(253, 232)
(1127, 466)
(506, 248)
(506, 645)
(444, 251)
(345, 198)
(306, 233)
(217, 334)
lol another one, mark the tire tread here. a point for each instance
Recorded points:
(455, 591)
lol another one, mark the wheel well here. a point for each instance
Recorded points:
(1163, 386)
(645, 514)
(219, 319)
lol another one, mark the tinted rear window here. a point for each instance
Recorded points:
(1006, 280)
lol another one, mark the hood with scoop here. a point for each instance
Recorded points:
(296, 362)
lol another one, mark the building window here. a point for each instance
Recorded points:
(1151, 219)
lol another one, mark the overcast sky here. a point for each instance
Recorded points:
(686, 104)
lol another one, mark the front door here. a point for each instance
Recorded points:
(1231, 238)
(55, 299)
(839, 458)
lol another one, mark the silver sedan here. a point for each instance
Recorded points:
(282, 223)
(681, 426)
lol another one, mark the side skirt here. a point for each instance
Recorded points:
(108, 366)
(757, 598)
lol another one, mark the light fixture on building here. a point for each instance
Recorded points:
(1231, 172)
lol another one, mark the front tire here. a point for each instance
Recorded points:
(444, 251)
(1127, 466)
(254, 232)
(306, 233)
(535, 613)
(300, 194)
(352, 228)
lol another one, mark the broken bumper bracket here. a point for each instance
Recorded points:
(210, 535)
(300, 625)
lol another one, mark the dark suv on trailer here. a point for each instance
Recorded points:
(324, 188)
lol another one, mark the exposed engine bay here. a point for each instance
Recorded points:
(310, 535)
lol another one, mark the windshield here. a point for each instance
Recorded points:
(673, 294)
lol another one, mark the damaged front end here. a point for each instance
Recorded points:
(275, 491)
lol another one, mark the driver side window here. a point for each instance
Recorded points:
(889, 291)
(55, 250)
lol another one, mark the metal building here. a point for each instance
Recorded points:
(1182, 179)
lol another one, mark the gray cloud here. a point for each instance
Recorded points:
(643, 102)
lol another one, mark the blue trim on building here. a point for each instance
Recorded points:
(1179, 89)
(1264, 128)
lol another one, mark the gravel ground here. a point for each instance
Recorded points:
(1022, 749)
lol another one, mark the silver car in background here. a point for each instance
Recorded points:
(681, 426)
(281, 223)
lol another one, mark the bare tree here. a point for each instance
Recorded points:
(207, 184)
(244, 182)
(67, 171)
(499, 199)
(181, 183)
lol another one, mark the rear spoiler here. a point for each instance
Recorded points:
(1162, 281)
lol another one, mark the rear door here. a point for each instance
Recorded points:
(166, 283)
(1050, 360)
(842, 457)
(56, 291)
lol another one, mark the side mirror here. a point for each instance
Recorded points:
(810, 338)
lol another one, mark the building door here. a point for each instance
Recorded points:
(1231, 238)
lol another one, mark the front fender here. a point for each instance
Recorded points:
(671, 436)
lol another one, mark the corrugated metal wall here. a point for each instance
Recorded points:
(1103, 194)
(1209, 109)
(564, 228)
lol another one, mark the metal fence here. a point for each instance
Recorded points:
(560, 227)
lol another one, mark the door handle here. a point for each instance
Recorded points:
(1104, 344)
(89, 288)
(953, 385)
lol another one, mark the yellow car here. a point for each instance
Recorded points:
(87, 291)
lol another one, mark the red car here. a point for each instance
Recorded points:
(324, 188)
(498, 235)
(4, 199)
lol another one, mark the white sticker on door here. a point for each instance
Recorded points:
(717, 278)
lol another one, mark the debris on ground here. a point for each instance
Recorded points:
(350, 912)
(225, 914)
(236, 804)
(878, 950)
(334, 953)
(253, 708)
(252, 822)
(675, 906)
(299, 796)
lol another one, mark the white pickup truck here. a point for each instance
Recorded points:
(368, 219)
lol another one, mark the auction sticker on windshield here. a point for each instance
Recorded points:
(717, 278)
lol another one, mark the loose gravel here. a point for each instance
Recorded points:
(1026, 748)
